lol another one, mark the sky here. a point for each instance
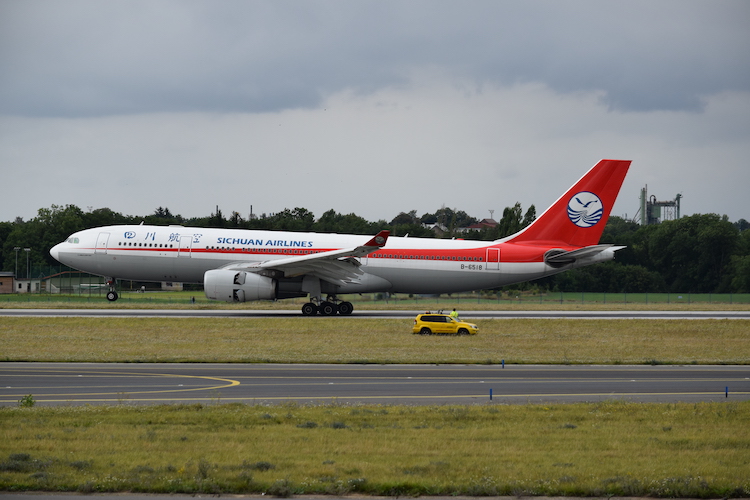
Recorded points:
(371, 107)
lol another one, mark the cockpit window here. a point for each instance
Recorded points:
(73, 240)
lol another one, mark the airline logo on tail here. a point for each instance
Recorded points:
(585, 209)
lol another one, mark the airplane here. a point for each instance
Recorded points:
(239, 265)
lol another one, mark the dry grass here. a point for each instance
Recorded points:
(603, 449)
(359, 340)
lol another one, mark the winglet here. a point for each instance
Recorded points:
(379, 239)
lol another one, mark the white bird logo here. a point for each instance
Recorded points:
(585, 209)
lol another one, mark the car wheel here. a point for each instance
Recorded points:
(425, 331)
(463, 331)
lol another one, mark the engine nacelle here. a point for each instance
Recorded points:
(238, 286)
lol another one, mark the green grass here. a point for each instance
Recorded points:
(368, 340)
(599, 449)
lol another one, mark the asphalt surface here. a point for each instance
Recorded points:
(117, 383)
(85, 383)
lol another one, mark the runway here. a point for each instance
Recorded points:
(86, 383)
(250, 313)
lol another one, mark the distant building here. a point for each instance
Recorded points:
(436, 228)
(7, 282)
(483, 224)
(33, 285)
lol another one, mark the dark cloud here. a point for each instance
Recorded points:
(92, 58)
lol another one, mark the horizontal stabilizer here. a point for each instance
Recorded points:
(559, 258)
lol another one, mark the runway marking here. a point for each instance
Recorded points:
(288, 383)
(78, 373)
(334, 399)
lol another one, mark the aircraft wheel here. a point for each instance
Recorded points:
(309, 309)
(345, 308)
(112, 296)
(327, 309)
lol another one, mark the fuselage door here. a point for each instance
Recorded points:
(101, 243)
(186, 245)
(493, 259)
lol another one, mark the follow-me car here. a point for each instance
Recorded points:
(442, 324)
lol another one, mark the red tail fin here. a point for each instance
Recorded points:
(578, 217)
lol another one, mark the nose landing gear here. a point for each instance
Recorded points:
(112, 294)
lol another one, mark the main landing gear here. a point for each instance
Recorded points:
(329, 307)
(112, 293)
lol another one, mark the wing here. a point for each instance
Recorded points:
(335, 266)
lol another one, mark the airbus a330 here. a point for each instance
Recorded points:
(237, 265)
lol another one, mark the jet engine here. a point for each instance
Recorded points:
(238, 286)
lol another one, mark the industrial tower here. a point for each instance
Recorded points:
(654, 212)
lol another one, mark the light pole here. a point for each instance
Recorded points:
(16, 249)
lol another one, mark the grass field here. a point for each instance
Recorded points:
(600, 449)
(368, 340)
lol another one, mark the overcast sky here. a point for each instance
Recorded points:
(370, 107)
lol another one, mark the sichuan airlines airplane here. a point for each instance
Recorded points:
(237, 265)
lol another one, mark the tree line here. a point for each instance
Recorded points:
(702, 253)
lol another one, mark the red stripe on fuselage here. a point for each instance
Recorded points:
(509, 252)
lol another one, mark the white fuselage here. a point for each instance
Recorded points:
(403, 265)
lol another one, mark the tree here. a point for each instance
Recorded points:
(608, 277)
(217, 219)
(409, 224)
(692, 253)
(333, 222)
(161, 217)
(529, 217)
(163, 213)
(5, 229)
(739, 268)
(236, 220)
(104, 217)
(405, 218)
(50, 227)
(512, 222)
(299, 219)
(428, 219)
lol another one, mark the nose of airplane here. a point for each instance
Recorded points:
(55, 251)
